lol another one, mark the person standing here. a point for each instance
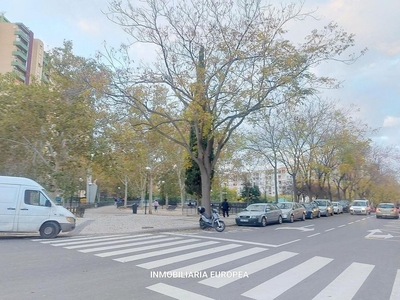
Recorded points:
(225, 208)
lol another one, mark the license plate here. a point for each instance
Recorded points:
(244, 220)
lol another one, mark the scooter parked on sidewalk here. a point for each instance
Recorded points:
(212, 221)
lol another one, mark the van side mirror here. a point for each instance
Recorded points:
(47, 203)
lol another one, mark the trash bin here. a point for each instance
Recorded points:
(134, 208)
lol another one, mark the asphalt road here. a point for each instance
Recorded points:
(340, 257)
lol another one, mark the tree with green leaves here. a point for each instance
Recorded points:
(47, 128)
(248, 64)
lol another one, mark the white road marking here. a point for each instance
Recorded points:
(163, 252)
(146, 248)
(138, 242)
(346, 285)
(286, 280)
(174, 259)
(395, 295)
(176, 293)
(315, 234)
(219, 260)
(249, 268)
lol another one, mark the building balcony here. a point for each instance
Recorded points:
(20, 76)
(21, 45)
(19, 65)
(20, 55)
(22, 35)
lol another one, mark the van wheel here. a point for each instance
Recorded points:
(49, 230)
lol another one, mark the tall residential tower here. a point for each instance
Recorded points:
(20, 52)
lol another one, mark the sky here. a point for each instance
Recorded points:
(371, 85)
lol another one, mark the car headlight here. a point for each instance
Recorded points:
(284, 215)
(254, 217)
(71, 219)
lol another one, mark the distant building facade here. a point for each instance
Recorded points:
(20, 52)
(265, 181)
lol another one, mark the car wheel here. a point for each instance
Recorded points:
(377, 217)
(303, 218)
(263, 222)
(291, 219)
(311, 216)
(319, 215)
(280, 220)
(49, 230)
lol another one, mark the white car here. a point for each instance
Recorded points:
(337, 208)
(360, 207)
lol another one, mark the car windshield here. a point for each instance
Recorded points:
(359, 203)
(285, 205)
(321, 203)
(255, 207)
(307, 205)
(335, 203)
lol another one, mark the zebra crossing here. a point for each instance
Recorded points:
(192, 258)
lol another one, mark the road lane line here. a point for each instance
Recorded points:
(176, 293)
(341, 225)
(276, 286)
(249, 268)
(315, 234)
(174, 259)
(330, 229)
(346, 285)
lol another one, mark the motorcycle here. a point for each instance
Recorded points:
(212, 221)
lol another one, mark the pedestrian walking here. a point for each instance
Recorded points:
(156, 205)
(225, 208)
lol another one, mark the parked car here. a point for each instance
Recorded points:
(292, 211)
(259, 214)
(337, 207)
(346, 205)
(312, 210)
(387, 210)
(325, 207)
(360, 207)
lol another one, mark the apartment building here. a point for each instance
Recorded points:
(20, 52)
(264, 179)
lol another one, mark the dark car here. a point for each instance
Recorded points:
(312, 210)
(346, 205)
(259, 214)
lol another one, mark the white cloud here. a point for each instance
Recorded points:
(391, 121)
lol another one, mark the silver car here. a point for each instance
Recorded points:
(259, 214)
(325, 207)
(387, 210)
(292, 211)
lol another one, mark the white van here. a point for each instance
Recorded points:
(25, 207)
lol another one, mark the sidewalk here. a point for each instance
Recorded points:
(113, 220)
